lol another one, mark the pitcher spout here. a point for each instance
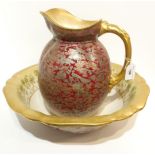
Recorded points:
(66, 26)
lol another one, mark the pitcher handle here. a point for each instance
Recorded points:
(110, 28)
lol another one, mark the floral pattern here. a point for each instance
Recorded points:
(28, 85)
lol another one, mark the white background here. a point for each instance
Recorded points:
(23, 35)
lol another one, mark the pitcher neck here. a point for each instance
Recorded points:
(75, 40)
(75, 35)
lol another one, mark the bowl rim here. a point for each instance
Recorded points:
(137, 103)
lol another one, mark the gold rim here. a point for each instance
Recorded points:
(60, 14)
(136, 104)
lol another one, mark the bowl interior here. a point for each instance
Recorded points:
(30, 94)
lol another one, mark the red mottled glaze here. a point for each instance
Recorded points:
(74, 76)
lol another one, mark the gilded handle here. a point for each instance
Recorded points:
(110, 28)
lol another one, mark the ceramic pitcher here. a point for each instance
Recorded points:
(74, 69)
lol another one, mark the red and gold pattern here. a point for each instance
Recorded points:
(74, 72)
(74, 76)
